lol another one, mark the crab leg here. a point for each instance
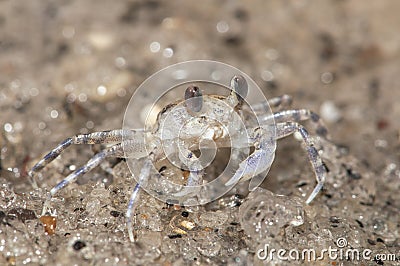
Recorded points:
(279, 102)
(288, 128)
(111, 136)
(297, 116)
(143, 176)
(196, 172)
(260, 160)
(113, 151)
(282, 101)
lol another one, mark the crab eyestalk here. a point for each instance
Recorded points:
(240, 87)
(193, 99)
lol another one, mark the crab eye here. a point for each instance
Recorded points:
(193, 99)
(239, 85)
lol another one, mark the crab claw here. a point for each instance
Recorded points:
(254, 164)
(259, 161)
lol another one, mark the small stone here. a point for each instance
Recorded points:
(175, 236)
(49, 223)
(11, 260)
(78, 245)
(115, 213)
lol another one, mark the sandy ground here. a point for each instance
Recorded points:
(70, 67)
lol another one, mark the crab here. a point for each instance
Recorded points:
(200, 119)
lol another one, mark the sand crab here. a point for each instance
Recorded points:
(196, 117)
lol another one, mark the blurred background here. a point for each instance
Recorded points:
(71, 66)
